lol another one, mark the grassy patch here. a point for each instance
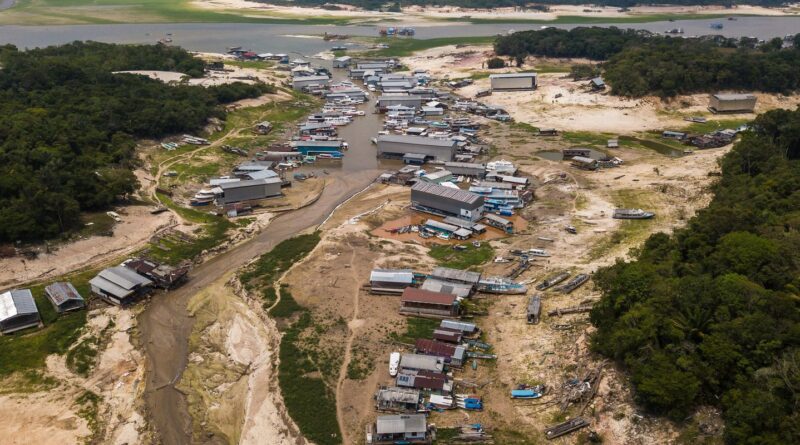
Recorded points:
(361, 364)
(584, 20)
(712, 125)
(470, 257)
(96, 224)
(287, 306)
(399, 47)
(271, 265)
(587, 138)
(212, 234)
(89, 402)
(630, 232)
(416, 327)
(310, 402)
(25, 352)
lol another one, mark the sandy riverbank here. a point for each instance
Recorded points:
(413, 14)
(562, 103)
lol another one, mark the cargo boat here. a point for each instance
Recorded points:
(574, 283)
(552, 281)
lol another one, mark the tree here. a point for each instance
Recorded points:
(495, 63)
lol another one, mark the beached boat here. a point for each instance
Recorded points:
(632, 214)
(501, 285)
(574, 283)
(552, 281)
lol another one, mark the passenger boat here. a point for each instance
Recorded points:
(501, 285)
(574, 283)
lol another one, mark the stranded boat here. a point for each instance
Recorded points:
(501, 285)
(574, 283)
(632, 214)
(552, 281)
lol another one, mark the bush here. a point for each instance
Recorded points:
(495, 63)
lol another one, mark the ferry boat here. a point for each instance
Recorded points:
(501, 285)
(538, 252)
(632, 214)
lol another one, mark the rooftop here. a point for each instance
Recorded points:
(446, 192)
(16, 302)
(392, 276)
(398, 424)
(733, 96)
(414, 295)
(61, 292)
(445, 273)
(511, 75)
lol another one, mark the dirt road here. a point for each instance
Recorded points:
(165, 324)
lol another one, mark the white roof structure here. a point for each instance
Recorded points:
(16, 302)
(422, 362)
(400, 276)
(446, 192)
(262, 174)
(512, 75)
(400, 424)
(464, 276)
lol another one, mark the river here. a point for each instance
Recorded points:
(217, 37)
(165, 324)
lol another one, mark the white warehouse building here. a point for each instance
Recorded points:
(513, 81)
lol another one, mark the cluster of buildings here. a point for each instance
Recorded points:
(119, 285)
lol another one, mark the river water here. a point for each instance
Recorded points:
(165, 325)
(217, 37)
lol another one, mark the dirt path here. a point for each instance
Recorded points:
(352, 325)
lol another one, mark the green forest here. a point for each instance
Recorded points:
(711, 314)
(379, 4)
(638, 63)
(69, 127)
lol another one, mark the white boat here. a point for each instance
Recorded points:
(538, 252)
(394, 363)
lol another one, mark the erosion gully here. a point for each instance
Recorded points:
(165, 325)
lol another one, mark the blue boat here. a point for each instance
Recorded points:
(525, 394)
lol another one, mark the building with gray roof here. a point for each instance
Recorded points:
(460, 290)
(119, 285)
(732, 103)
(18, 311)
(64, 297)
(395, 146)
(456, 275)
(446, 201)
(513, 81)
(419, 362)
(395, 399)
(248, 190)
(405, 428)
(390, 281)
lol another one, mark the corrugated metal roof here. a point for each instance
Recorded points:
(398, 395)
(438, 174)
(497, 219)
(109, 287)
(248, 183)
(124, 277)
(441, 226)
(400, 276)
(445, 273)
(419, 361)
(61, 292)
(733, 96)
(262, 174)
(16, 302)
(512, 75)
(446, 192)
(398, 424)
(459, 325)
(414, 295)
(316, 143)
(464, 165)
(434, 347)
(416, 140)
(458, 289)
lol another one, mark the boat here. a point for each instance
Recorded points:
(716, 25)
(552, 281)
(632, 214)
(675, 31)
(574, 283)
(571, 229)
(501, 285)
(538, 252)
(525, 394)
(394, 363)
(310, 159)
(331, 155)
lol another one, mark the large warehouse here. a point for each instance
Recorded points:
(249, 190)
(18, 311)
(405, 100)
(446, 201)
(513, 81)
(732, 103)
(395, 146)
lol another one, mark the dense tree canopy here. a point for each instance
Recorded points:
(638, 63)
(711, 314)
(68, 127)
